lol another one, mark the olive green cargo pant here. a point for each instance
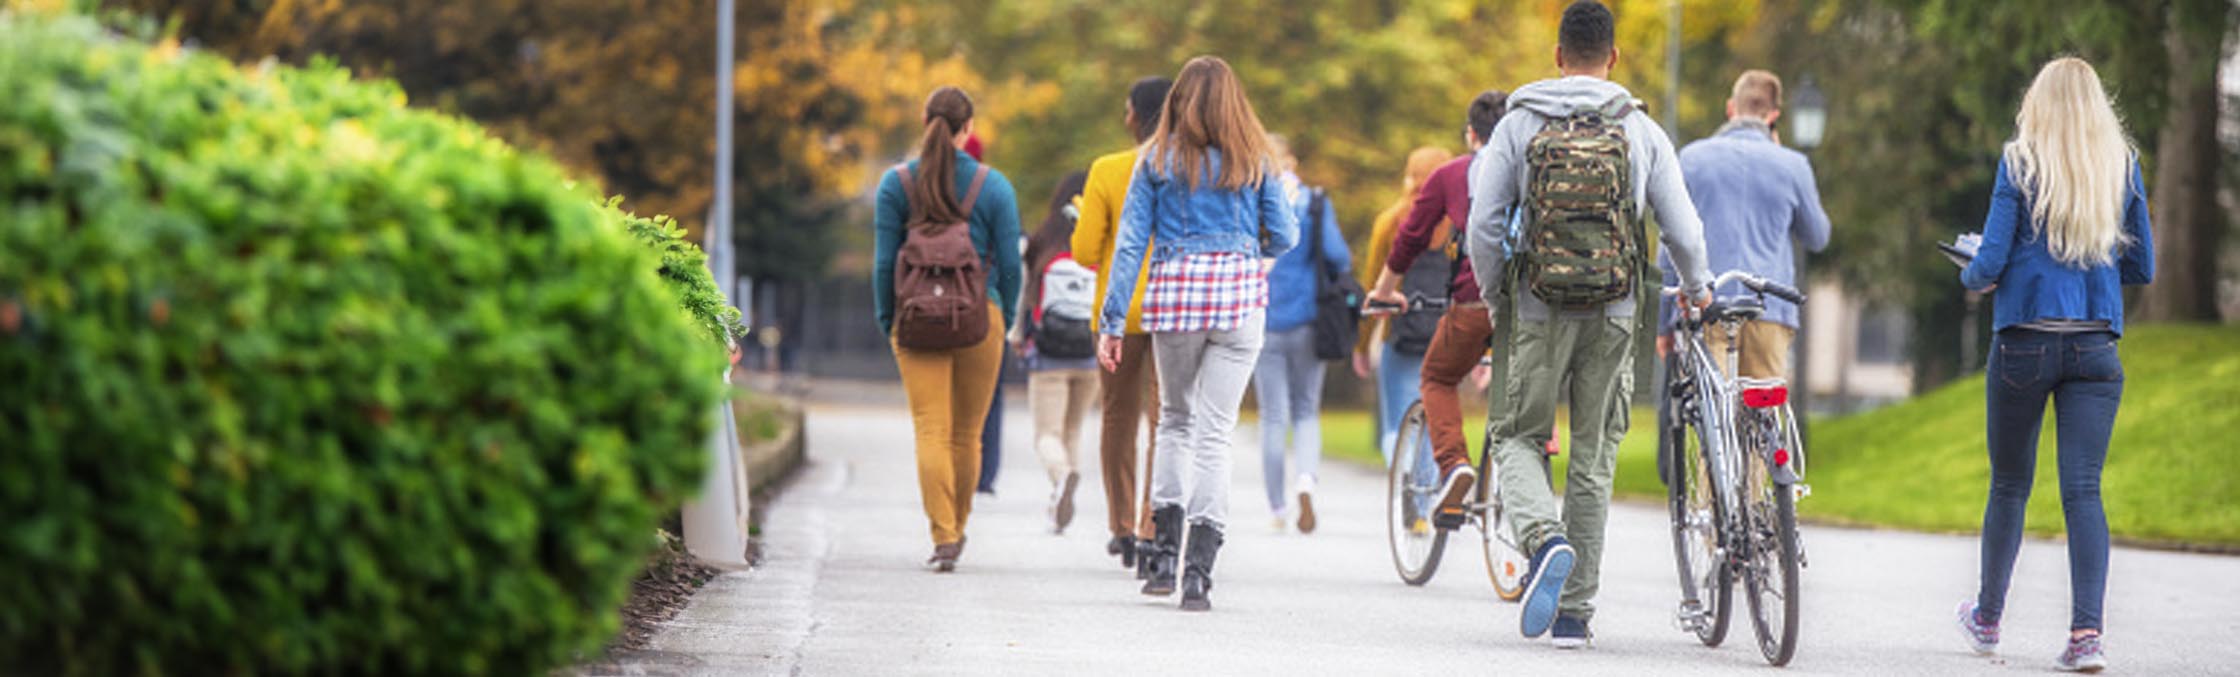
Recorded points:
(1595, 356)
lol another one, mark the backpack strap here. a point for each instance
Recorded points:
(972, 194)
(909, 188)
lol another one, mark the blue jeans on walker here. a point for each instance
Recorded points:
(1288, 384)
(2084, 376)
(1399, 380)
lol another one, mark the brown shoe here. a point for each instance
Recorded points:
(944, 559)
(1460, 479)
(1306, 512)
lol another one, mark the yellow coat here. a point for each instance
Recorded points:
(1097, 231)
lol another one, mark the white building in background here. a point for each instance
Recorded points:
(1857, 352)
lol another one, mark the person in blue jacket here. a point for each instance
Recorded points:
(1288, 379)
(2068, 228)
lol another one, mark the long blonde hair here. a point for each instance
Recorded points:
(1207, 108)
(1421, 163)
(2072, 160)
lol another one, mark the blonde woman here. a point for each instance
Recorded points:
(1207, 189)
(2068, 229)
(1397, 366)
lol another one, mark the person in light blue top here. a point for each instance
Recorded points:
(1759, 202)
(2068, 228)
(1288, 378)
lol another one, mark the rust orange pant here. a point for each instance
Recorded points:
(950, 392)
(1455, 350)
(1130, 394)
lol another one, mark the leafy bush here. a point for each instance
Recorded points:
(685, 269)
(296, 379)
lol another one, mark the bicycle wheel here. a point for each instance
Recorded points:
(1505, 560)
(1416, 544)
(1706, 600)
(1770, 572)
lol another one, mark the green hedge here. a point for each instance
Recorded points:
(296, 379)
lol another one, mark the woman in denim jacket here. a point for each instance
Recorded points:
(2068, 229)
(1205, 189)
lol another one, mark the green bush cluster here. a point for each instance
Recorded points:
(296, 379)
(685, 269)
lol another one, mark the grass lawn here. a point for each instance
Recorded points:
(2172, 474)
(1351, 435)
(2173, 468)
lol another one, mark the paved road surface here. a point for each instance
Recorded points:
(841, 593)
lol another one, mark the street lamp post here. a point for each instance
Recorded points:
(1808, 126)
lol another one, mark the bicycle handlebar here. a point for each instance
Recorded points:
(1415, 302)
(1752, 283)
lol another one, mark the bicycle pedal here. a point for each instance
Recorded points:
(1802, 490)
(1450, 518)
(1690, 617)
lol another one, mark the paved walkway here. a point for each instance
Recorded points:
(841, 593)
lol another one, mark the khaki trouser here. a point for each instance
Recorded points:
(1060, 400)
(1765, 348)
(1131, 393)
(950, 392)
(1455, 350)
(1596, 356)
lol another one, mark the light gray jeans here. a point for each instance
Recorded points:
(1202, 376)
(1289, 381)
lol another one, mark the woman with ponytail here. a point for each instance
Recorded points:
(2068, 229)
(949, 387)
(1205, 188)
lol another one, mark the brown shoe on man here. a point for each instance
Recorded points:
(944, 559)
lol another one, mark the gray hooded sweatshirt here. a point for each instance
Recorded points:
(1498, 182)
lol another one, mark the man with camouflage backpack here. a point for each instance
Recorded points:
(1586, 165)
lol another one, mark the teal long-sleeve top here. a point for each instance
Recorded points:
(995, 232)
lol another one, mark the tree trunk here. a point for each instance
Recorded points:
(2188, 227)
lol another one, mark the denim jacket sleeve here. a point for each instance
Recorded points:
(1130, 250)
(2137, 264)
(1999, 228)
(1278, 222)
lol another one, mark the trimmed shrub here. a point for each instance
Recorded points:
(685, 269)
(296, 379)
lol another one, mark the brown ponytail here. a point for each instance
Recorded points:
(947, 111)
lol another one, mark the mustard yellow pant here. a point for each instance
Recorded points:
(949, 393)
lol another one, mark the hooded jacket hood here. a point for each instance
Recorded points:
(1563, 96)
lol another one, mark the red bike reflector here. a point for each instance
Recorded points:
(1762, 398)
(1780, 457)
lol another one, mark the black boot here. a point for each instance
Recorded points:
(1197, 567)
(1166, 523)
(1145, 548)
(1125, 547)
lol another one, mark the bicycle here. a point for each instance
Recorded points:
(1415, 528)
(1734, 469)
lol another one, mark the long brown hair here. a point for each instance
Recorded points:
(948, 109)
(1056, 234)
(1207, 109)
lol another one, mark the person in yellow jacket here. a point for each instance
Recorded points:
(1130, 392)
(1396, 369)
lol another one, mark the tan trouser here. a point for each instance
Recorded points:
(1765, 348)
(950, 392)
(1131, 394)
(1060, 400)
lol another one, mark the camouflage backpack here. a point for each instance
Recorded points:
(1583, 249)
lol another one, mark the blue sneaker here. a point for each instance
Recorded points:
(1543, 587)
(1570, 633)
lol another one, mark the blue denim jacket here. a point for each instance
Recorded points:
(1161, 207)
(2035, 286)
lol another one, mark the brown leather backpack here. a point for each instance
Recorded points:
(940, 282)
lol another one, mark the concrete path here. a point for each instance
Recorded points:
(841, 592)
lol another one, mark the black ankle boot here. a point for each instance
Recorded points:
(1145, 548)
(1166, 523)
(1197, 567)
(1125, 547)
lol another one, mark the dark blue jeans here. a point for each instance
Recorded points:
(2085, 379)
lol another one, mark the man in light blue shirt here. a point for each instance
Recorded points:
(1758, 202)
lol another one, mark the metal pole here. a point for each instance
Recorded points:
(716, 522)
(1672, 73)
(721, 221)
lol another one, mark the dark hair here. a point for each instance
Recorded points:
(1587, 32)
(1145, 99)
(1056, 233)
(1485, 112)
(947, 111)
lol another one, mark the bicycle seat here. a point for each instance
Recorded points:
(1742, 309)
